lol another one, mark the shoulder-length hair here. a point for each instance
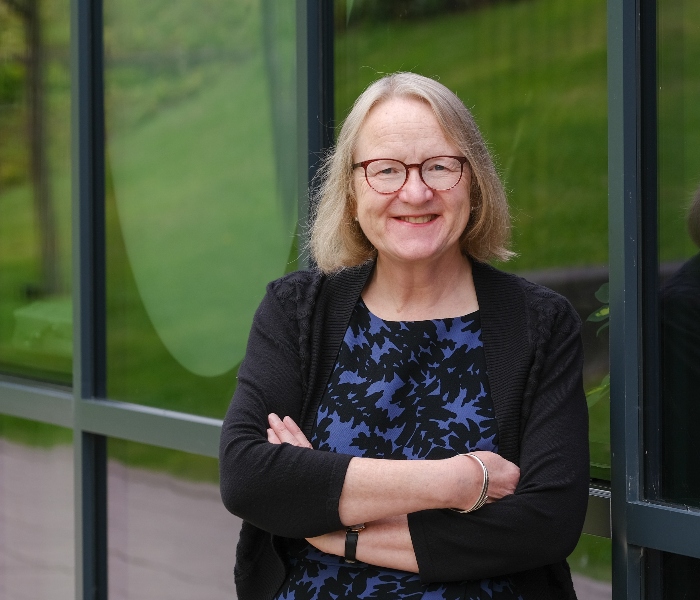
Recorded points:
(336, 239)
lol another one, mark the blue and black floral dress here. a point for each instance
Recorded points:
(413, 390)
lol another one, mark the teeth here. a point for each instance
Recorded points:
(423, 219)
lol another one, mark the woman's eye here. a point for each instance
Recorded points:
(384, 171)
(439, 168)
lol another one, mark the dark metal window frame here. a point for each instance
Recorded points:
(637, 523)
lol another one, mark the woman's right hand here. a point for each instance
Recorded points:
(503, 478)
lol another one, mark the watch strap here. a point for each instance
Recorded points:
(352, 535)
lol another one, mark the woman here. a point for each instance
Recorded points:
(404, 344)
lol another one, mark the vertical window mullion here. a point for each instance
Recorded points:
(649, 249)
(625, 340)
(89, 294)
(315, 99)
(320, 81)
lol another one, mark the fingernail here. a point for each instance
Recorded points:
(273, 417)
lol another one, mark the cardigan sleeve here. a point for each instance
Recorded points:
(285, 490)
(540, 524)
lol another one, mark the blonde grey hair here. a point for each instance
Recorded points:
(694, 219)
(336, 239)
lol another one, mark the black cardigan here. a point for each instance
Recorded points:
(534, 360)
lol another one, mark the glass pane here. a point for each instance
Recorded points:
(534, 74)
(201, 190)
(170, 536)
(679, 240)
(36, 511)
(35, 304)
(591, 568)
(680, 577)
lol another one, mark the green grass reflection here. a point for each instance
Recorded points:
(592, 557)
(34, 433)
(181, 465)
(199, 217)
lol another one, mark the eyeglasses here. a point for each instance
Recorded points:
(387, 175)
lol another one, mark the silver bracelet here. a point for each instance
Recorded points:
(483, 497)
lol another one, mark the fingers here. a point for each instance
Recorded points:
(296, 432)
(503, 475)
(286, 431)
(280, 430)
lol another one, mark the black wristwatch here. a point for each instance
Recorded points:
(352, 534)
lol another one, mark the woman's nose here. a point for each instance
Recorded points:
(415, 190)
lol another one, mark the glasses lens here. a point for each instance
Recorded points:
(442, 172)
(386, 176)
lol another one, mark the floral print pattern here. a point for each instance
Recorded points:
(403, 390)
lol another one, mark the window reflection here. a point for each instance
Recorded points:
(36, 511)
(680, 380)
(201, 190)
(534, 74)
(169, 535)
(590, 568)
(679, 241)
(35, 305)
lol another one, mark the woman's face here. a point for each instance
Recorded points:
(415, 224)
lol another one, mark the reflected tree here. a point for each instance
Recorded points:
(30, 15)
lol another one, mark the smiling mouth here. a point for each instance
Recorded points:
(421, 219)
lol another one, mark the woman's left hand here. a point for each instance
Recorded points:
(285, 430)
